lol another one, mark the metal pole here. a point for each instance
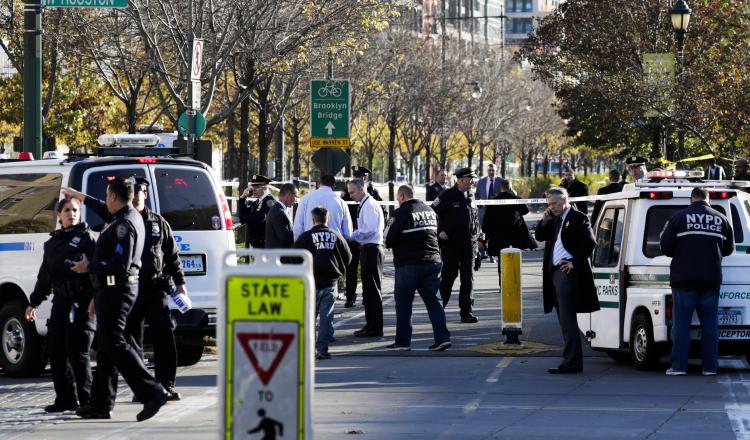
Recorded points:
(189, 107)
(32, 79)
(680, 59)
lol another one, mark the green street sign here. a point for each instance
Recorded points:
(85, 3)
(330, 113)
(200, 124)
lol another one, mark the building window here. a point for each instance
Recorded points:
(519, 6)
(520, 26)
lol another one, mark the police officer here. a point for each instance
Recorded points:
(160, 261)
(458, 233)
(114, 270)
(696, 238)
(359, 172)
(70, 330)
(636, 167)
(253, 214)
(436, 187)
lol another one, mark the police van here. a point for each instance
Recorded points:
(184, 191)
(632, 275)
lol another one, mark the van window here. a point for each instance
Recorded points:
(656, 218)
(97, 188)
(187, 199)
(609, 238)
(739, 236)
(27, 202)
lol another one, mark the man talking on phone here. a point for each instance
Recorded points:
(568, 283)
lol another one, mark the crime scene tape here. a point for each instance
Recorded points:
(537, 201)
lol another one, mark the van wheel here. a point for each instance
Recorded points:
(189, 352)
(21, 348)
(643, 351)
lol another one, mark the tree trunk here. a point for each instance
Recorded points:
(230, 158)
(296, 172)
(244, 143)
(263, 139)
(392, 127)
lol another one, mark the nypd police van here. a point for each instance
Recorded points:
(184, 191)
(632, 275)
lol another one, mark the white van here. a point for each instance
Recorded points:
(184, 191)
(632, 275)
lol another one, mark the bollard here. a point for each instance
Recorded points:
(512, 310)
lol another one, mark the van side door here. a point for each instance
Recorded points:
(606, 268)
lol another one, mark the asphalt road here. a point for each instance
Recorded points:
(475, 390)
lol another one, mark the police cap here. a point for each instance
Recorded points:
(259, 179)
(360, 171)
(141, 184)
(464, 172)
(636, 160)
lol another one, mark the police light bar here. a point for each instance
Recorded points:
(128, 140)
(676, 174)
(50, 155)
(721, 195)
(25, 155)
(657, 195)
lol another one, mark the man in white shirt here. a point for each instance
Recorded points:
(338, 215)
(369, 236)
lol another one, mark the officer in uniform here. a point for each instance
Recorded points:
(114, 270)
(253, 214)
(160, 261)
(458, 234)
(636, 167)
(359, 172)
(70, 330)
(436, 187)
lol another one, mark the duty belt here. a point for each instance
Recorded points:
(99, 281)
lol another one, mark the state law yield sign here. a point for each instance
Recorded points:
(266, 346)
(330, 113)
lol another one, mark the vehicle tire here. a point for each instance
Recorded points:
(22, 351)
(619, 355)
(643, 350)
(189, 352)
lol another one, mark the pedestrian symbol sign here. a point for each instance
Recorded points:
(266, 347)
(330, 106)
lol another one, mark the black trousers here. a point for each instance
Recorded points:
(458, 259)
(68, 345)
(116, 350)
(351, 273)
(371, 258)
(151, 306)
(566, 315)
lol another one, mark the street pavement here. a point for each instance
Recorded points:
(475, 390)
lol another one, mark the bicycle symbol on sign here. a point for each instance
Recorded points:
(329, 89)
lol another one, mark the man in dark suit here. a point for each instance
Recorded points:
(279, 234)
(253, 213)
(614, 186)
(568, 283)
(575, 188)
(437, 187)
(487, 188)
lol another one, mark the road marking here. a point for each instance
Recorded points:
(492, 378)
(738, 406)
(360, 314)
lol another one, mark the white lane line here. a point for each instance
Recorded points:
(738, 406)
(492, 378)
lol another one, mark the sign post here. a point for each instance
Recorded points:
(266, 345)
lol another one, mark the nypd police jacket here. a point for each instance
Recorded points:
(413, 234)
(697, 238)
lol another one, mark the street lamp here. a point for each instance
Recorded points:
(680, 15)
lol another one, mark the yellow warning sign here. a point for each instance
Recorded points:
(330, 142)
(265, 363)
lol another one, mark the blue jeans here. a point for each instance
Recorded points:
(706, 302)
(324, 301)
(425, 279)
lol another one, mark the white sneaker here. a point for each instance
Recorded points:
(672, 372)
(709, 373)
